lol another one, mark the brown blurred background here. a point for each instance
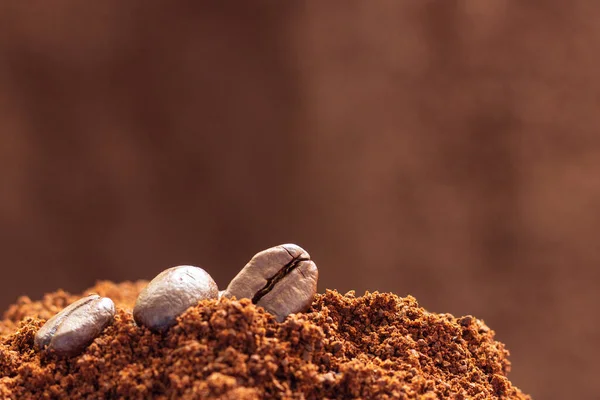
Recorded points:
(446, 149)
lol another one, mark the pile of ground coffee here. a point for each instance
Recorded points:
(372, 346)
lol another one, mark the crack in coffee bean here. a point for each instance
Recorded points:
(278, 277)
(72, 329)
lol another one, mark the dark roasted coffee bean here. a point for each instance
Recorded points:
(171, 293)
(282, 279)
(72, 329)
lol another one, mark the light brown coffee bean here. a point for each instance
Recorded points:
(170, 293)
(282, 279)
(71, 330)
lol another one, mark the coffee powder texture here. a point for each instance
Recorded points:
(375, 346)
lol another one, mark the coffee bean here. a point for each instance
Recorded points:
(282, 279)
(71, 330)
(170, 293)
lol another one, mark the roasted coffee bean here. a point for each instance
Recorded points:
(72, 329)
(282, 279)
(171, 293)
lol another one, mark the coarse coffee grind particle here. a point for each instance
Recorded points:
(374, 346)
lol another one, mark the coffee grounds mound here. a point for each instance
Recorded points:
(374, 346)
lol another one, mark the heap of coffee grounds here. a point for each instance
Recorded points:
(372, 346)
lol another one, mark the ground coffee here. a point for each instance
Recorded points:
(372, 346)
